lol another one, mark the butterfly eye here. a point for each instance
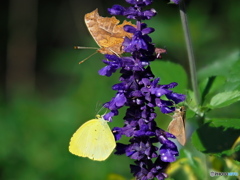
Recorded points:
(182, 109)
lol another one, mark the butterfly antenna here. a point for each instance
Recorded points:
(81, 47)
(87, 58)
(98, 107)
(101, 110)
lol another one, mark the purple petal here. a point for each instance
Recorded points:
(129, 29)
(116, 10)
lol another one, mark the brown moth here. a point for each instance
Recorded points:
(160, 51)
(177, 125)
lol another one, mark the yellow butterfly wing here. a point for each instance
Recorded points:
(94, 139)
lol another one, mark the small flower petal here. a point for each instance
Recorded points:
(116, 10)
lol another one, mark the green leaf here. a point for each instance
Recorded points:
(216, 136)
(191, 101)
(209, 87)
(219, 67)
(170, 72)
(233, 80)
(192, 105)
(224, 99)
(226, 123)
(234, 73)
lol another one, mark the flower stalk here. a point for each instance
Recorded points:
(190, 53)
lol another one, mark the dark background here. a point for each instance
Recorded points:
(45, 95)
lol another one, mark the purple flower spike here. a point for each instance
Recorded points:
(142, 94)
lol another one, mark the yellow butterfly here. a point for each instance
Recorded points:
(94, 139)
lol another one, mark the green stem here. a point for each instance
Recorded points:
(191, 58)
(192, 65)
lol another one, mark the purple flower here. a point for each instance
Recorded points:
(175, 1)
(142, 94)
(116, 10)
(140, 39)
(113, 63)
(134, 12)
(139, 2)
(148, 170)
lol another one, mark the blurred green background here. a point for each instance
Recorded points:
(46, 95)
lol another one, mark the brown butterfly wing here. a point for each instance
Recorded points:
(106, 32)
